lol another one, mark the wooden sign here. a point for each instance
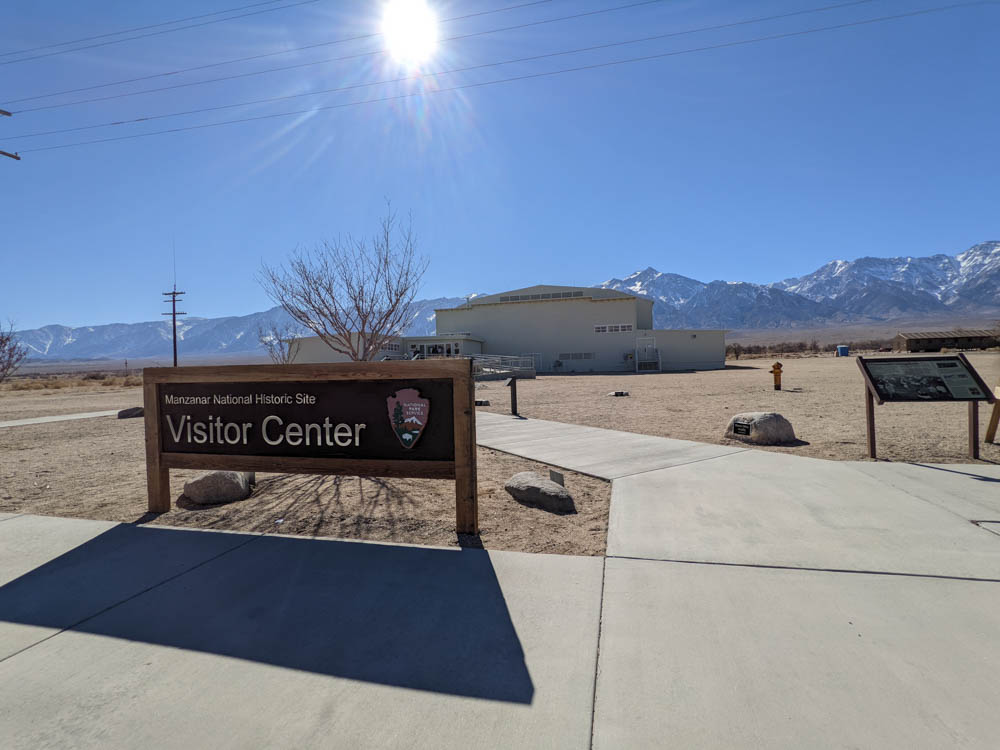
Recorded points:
(923, 379)
(387, 419)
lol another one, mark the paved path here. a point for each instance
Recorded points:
(122, 636)
(758, 599)
(58, 418)
(605, 454)
(748, 599)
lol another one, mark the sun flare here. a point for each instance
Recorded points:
(410, 31)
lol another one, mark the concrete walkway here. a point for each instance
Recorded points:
(758, 599)
(748, 599)
(58, 418)
(123, 636)
(605, 454)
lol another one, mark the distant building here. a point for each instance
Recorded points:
(934, 341)
(562, 329)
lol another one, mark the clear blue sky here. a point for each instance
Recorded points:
(751, 163)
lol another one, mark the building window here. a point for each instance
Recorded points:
(577, 355)
(390, 347)
(613, 328)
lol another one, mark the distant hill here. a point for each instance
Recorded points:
(866, 291)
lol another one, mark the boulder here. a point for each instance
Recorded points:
(217, 487)
(761, 428)
(529, 488)
(134, 411)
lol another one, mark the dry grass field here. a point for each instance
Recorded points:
(822, 396)
(95, 468)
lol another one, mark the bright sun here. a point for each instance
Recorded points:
(410, 29)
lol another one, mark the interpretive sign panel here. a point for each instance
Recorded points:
(931, 379)
(946, 378)
(395, 419)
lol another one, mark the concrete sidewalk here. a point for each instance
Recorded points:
(605, 454)
(122, 636)
(58, 418)
(748, 599)
(758, 599)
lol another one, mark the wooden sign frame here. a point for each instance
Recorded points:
(462, 469)
(872, 396)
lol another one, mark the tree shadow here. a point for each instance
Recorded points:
(312, 500)
(414, 617)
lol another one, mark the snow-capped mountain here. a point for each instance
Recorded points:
(669, 288)
(867, 289)
(196, 336)
(969, 278)
(863, 290)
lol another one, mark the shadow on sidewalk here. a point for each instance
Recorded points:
(413, 617)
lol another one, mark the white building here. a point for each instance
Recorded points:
(564, 329)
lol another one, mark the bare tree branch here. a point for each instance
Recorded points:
(352, 293)
(278, 340)
(12, 351)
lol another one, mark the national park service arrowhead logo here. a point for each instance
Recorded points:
(408, 415)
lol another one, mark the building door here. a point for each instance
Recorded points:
(647, 357)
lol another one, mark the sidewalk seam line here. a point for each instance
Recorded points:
(686, 463)
(146, 590)
(767, 566)
(597, 656)
(16, 515)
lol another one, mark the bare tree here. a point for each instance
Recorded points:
(352, 293)
(278, 339)
(12, 351)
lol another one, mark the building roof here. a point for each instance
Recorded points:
(546, 292)
(956, 334)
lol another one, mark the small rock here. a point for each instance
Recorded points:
(618, 393)
(217, 487)
(135, 411)
(761, 428)
(529, 488)
(482, 402)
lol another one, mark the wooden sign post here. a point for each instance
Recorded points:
(924, 379)
(377, 419)
(991, 427)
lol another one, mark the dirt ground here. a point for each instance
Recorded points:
(822, 396)
(76, 400)
(95, 468)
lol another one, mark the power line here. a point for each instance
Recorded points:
(256, 57)
(342, 58)
(527, 76)
(531, 58)
(135, 28)
(155, 33)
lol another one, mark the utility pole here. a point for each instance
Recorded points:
(173, 314)
(5, 113)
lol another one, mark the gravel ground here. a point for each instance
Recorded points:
(822, 396)
(95, 468)
(76, 400)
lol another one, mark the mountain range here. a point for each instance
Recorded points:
(839, 293)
